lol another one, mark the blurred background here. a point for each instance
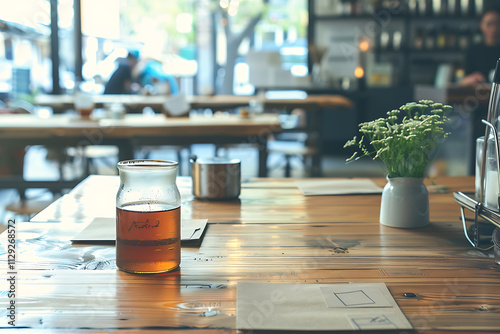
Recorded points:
(379, 54)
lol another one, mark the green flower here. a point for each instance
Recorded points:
(406, 148)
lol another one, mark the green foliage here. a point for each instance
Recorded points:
(405, 140)
(159, 16)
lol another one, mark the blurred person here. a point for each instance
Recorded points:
(481, 58)
(153, 78)
(120, 81)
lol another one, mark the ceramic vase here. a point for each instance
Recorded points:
(405, 203)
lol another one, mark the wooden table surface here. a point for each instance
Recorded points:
(272, 234)
(215, 102)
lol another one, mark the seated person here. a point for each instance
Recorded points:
(120, 81)
(152, 76)
(481, 58)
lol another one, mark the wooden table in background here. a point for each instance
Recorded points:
(135, 130)
(312, 104)
(272, 234)
(61, 102)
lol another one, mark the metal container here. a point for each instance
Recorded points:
(216, 178)
(496, 242)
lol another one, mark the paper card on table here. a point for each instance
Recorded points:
(348, 296)
(321, 187)
(102, 231)
(288, 306)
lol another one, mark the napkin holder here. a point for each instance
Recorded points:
(477, 205)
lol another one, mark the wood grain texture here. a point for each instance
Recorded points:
(273, 234)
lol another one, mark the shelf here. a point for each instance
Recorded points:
(437, 51)
(409, 24)
(412, 52)
(333, 17)
(354, 16)
(330, 17)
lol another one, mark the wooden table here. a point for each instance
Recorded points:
(198, 101)
(273, 234)
(135, 130)
(312, 104)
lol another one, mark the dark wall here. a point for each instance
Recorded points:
(340, 125)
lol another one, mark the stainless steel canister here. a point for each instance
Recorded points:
(216, 178)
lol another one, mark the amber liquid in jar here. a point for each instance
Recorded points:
(148, 237)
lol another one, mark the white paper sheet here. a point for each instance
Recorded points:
(322, 187)
(102, 230)
(289, 306)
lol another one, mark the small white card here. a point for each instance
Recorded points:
(346, 296)
(322, 187)
(102, 230)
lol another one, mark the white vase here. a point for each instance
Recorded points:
(405, 203)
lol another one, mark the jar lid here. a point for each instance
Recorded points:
(217, 161)
(496, 237)
(147, 163)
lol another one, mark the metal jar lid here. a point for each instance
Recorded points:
(496, 237)
(215, 161)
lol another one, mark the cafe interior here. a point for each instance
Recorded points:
(230, 166)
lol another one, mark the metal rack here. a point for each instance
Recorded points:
(476, 205)
(480, 211)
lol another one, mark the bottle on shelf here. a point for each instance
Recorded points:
(441, 37)
(430, 38)
(367, 7)
(394, 5)
(464, 37)
(346, 8)
(385, 40)
(335, 7)
(451, 8)
(357, 8)
(451, 39)
(465, 7)
(437, 7)
(397, 38)
(479, 7)
(422, 7)
(412, 7)
(418, 41)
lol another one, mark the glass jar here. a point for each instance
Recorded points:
(148, 214)
(491, 176)
(479, 159)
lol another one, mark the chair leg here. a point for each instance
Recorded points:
(188, 149)
(179, 160)
(288, 166)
